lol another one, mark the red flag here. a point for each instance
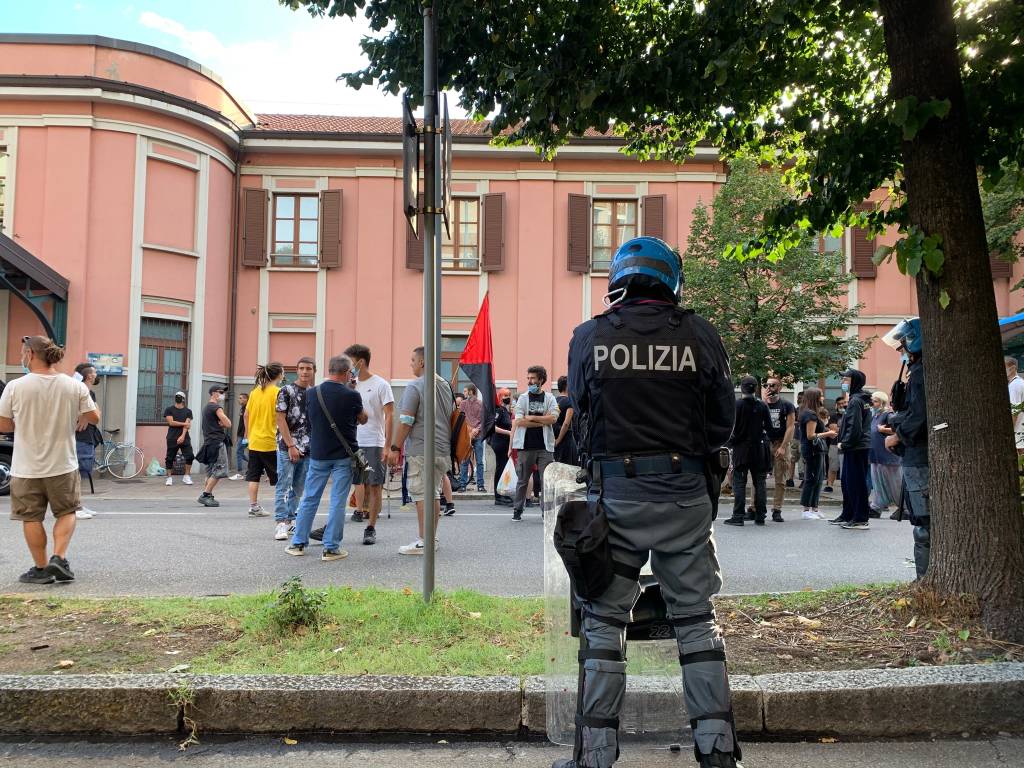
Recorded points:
(477, 360)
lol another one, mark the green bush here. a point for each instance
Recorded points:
(296, 607)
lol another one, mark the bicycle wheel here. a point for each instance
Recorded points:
(124, 461)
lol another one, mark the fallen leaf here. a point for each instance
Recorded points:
(406, 591)
(828, 740)
(442, 741)
(64, 664)
(912, 623)
(172, 653)
(149, 632)
(902, 603)
(810, 623)
(290, 742)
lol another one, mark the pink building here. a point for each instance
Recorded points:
(150, 214)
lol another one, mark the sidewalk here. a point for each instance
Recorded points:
(873, 703)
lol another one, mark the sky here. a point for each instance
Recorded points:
(272, 58)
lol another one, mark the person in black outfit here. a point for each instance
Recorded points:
(565, 443)
(499, 442)
(751, 453)
(855, 444)
(179, 419)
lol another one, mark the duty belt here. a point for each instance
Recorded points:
(634, 466)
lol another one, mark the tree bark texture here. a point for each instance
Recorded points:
(977, 522)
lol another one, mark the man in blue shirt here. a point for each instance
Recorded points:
(328, 457)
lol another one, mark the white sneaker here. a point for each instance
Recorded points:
(808, 515)
(235, 476)
(817, 515)
(255, 510)
(281, 532)
(170, 481)
(416, 548)
(84, 514)
(187, 480)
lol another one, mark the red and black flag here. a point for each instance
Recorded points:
(477, 361)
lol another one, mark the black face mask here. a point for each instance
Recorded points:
(506, 401)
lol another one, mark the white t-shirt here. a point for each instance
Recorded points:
(376, 393)
(1016, 398)
(45, 409)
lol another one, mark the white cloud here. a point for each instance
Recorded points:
(295, 72)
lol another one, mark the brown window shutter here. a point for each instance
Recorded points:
(254, 228)
(1000, 268)
(654, 215)
(579, 234)
(494, 232)
(330, 229)
(414, 242)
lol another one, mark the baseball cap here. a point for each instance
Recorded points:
(218, 388)
(179, 395)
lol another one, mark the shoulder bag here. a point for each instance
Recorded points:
(360, 465)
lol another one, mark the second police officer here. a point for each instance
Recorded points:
(653, 396)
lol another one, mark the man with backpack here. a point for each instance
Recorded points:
(424, 482)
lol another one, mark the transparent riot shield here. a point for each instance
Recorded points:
(653, 712)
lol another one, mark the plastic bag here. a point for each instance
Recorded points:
(154, 469)
(508, 481)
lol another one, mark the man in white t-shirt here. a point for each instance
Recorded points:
(44, 409)
(379, 404)
(1016, 385)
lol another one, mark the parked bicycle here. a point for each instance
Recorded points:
(122, 460)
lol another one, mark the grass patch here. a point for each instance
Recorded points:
(346, 631)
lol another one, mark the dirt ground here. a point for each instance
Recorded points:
(851, 629)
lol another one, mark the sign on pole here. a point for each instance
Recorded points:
(410, 164)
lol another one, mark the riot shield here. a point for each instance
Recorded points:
(653, 710)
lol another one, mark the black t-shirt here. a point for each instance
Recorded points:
(91, 434)
(564, 404)
(778, 413)
(806, 417)
(533, 440)
(344, 405)
(178, 414)
(503, 419)
(212, 429)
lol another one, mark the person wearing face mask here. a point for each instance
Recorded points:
(500, 439)
(214, 451)
(534, 437)
(855, 445)
(782, 414)
(832, 458)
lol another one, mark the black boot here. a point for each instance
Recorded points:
(750, 514)
(734, 520)
(777, 516)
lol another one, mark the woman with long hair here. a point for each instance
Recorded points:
(886, 467)
(812, 433)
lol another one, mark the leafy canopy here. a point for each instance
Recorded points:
(797, 81)
(787, 317)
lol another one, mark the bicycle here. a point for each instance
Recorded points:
(122, 460)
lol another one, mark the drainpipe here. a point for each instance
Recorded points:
(233, 284)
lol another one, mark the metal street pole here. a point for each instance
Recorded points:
(431, 289)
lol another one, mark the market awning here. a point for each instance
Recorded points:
(30, 280)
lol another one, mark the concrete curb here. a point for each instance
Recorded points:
(853, 704)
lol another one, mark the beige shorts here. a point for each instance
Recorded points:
(416, 466)
(30, 496)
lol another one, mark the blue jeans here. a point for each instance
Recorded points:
(241, 457)
(478, 450)
(291, 479)
(339, 472)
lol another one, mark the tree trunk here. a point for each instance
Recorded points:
(977, 523)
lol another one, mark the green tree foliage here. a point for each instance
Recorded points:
(788, 317)
(1002, 203)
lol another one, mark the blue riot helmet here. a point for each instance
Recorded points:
(906, 334)
(648, 264)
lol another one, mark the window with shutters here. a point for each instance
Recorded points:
(613, 223)
(461, 251)
(452, 347)
(3, 185)
(296, 231)
(163, 367)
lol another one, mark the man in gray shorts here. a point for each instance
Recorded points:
(379, 404)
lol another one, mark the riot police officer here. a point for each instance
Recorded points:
(652, 392)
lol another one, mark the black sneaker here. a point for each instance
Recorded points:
(60, 570)
(357, 516)
(750, 514)
(789, 483)
(370, 535)
(733, 520)
(777, 516)
(759, 520)
(531, 503)
(449, 509)
(837, 521)
(318, 534)
(207, 500)
(37, 576)
(851, 526)
(829, 489)
(874, 513)
(517, 515)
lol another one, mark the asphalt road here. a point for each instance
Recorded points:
(161, 542)
(274, 753)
